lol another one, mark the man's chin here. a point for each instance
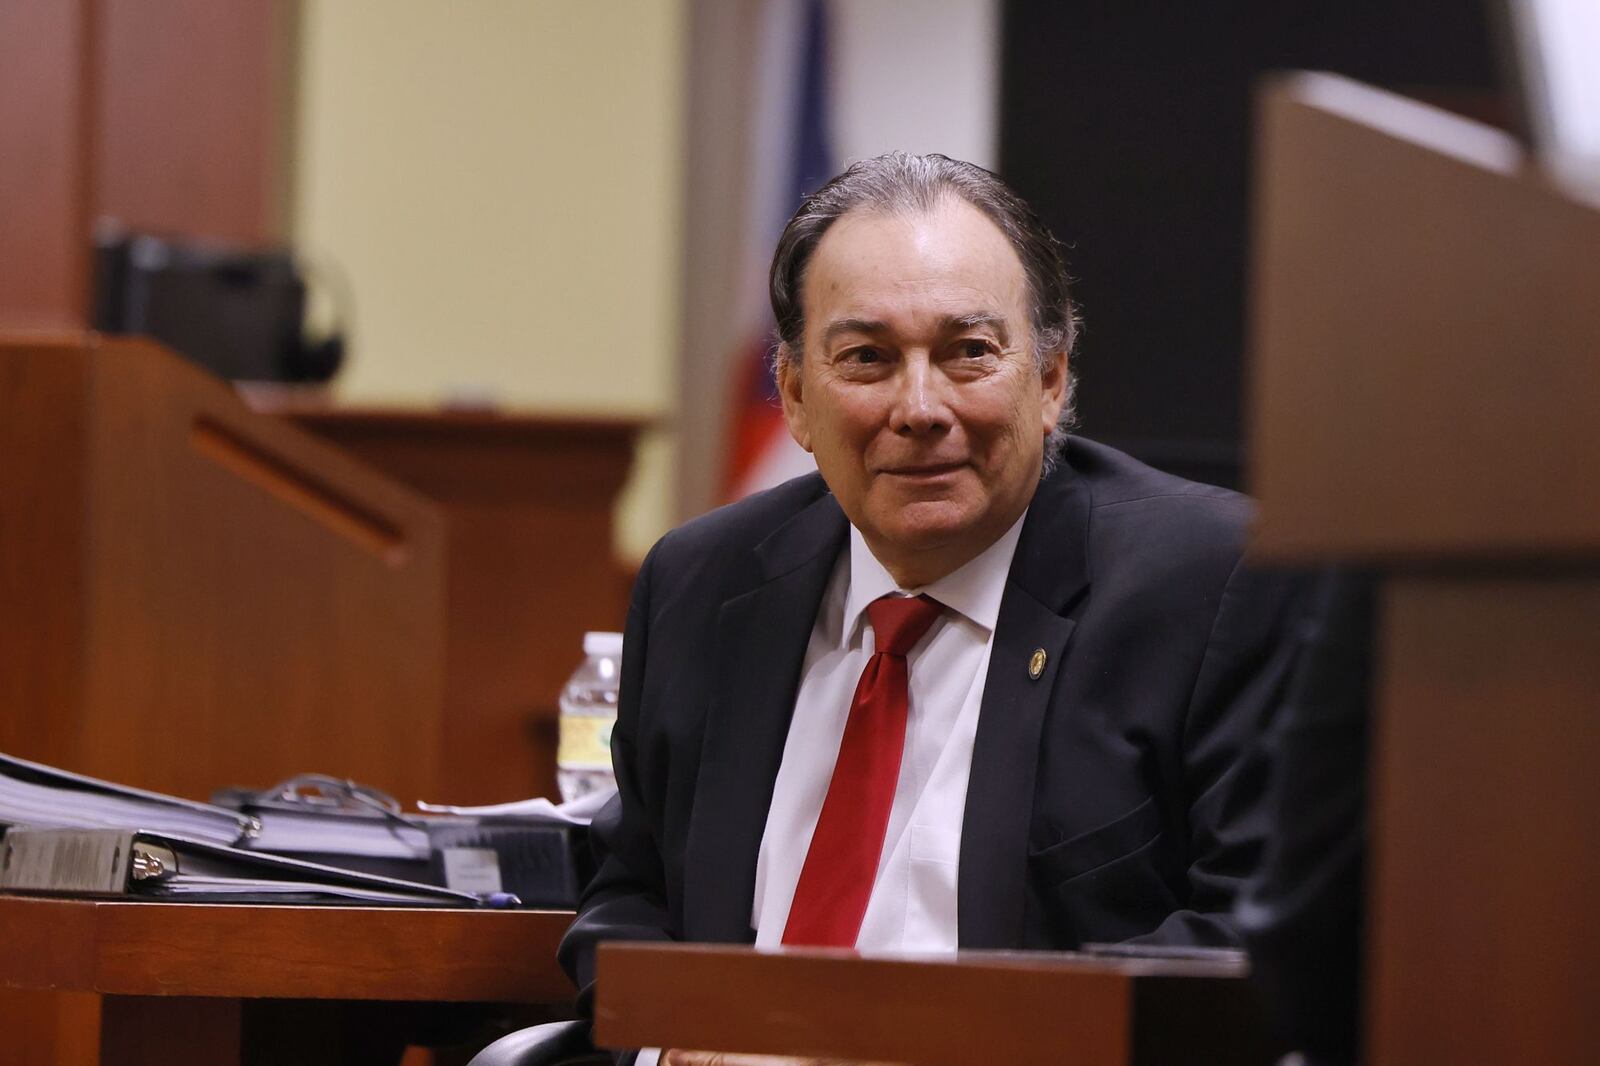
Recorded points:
(917, 527)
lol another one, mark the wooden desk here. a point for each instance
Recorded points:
(991, 1007)
(225, 984)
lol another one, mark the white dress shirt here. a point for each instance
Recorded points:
(913, 901)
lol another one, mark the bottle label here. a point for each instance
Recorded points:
(585, 743)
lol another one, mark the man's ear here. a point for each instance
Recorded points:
(1053, 389)
(791, 391)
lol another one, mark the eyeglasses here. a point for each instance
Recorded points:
(327, 794)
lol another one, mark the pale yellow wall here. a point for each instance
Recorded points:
(500, 180)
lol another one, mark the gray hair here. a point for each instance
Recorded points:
(899, 183)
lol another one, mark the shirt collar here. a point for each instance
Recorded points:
(973, 591)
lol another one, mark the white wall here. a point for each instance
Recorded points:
(501, 182)
(918, 75)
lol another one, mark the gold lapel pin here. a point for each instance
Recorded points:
(1036, 664)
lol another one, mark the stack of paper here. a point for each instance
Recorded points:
(344, 832)
(32, 794)
(580, 811)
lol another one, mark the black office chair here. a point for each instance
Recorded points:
(551, 1044)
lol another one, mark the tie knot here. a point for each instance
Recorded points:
(898, 622)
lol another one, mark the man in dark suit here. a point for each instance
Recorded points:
(1049, 752)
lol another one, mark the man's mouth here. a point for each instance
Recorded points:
(925, 470)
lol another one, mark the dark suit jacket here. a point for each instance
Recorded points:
(1107, 799)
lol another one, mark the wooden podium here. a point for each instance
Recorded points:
(193, 595)
(1425, 401)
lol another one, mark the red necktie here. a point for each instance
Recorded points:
(836, 881)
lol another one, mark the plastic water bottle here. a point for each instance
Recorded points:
(588, 712)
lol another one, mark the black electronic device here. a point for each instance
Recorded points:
(239, 312)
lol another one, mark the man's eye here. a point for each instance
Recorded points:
(976, 349)
(863, 355)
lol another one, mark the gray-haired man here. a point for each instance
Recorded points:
(1049, 752)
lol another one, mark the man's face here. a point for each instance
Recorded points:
(917, 389)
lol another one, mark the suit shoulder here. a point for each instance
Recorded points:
(1117, 481)
(743, 524)
(1165, 521)
(713, 554)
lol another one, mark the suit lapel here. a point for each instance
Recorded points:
(1048, 574)
(761, 644)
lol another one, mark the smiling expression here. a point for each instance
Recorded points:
(917, 389)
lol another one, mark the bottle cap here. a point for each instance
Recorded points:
(604, 645)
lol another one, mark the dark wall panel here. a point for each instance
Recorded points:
(1128, 126)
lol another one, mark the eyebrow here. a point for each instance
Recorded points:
(980, 319)
(972, 320)
(852, 325)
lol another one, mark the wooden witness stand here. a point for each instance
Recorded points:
(1071, 1010)
(1427, 343)
(225, 985)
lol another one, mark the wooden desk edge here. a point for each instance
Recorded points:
(928, 1010)
(115, 947)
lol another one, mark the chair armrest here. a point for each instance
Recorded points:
(552, 1044)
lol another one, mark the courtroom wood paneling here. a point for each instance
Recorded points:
(191, 116)
(1425, 338)
(46, 99)
(172, 116)
(1487, 783)
(530, 504)
(941, 1011)
(43, 414)
(234, 616)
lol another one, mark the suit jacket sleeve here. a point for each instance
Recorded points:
(1250, 655)
(626, 900)
(1302, 914)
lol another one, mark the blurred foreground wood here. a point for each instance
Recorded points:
(1427, 368)
(1073, 1010)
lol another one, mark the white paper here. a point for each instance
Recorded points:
(580, 811)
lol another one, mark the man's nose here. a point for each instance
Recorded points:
(920, 403)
